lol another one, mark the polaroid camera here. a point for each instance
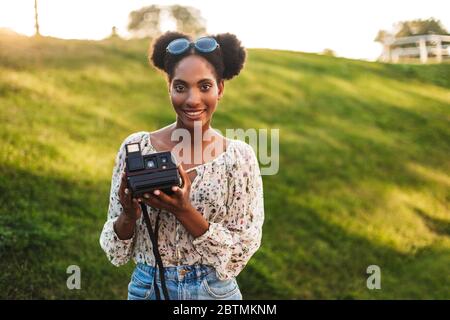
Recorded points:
(150, 172)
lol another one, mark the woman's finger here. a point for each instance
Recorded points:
(177, 191)
(137, 207)
(185, 177)
(121, 180)
(162, 196)
(154, 202)
(122, 187)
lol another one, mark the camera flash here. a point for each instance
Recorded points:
(133, 147)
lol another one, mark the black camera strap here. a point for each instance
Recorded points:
(158, 261)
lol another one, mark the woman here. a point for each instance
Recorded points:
(211, 225)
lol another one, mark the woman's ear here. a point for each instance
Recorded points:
(221, 88)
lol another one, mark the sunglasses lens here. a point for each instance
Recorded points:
(206, 44)
(178, 46)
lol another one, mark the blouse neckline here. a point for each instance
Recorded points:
(223, 153)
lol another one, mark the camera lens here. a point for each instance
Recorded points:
(150, 164)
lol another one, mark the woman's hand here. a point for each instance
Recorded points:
(177, 203)
(131, 207)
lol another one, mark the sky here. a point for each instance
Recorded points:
(348, 27)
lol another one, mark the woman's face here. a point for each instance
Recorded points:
(194, 91)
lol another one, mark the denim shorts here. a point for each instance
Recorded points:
(196, 282)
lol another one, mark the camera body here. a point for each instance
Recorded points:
(146, 173)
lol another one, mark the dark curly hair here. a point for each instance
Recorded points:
(227, 60)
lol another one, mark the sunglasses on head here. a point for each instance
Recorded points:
(181, 45)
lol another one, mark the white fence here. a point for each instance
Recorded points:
(425, 46)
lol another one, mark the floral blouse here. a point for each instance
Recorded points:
(227, 191)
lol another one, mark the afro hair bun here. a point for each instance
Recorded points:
(231, 53)
(159, 47)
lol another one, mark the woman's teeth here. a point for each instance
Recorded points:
(194, 113)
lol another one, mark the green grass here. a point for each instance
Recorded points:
(364, 168)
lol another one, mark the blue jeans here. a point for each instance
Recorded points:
(196, 282)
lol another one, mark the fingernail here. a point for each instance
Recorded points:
(156, 192)
(126, 191)
(146, 196)
(174, 188)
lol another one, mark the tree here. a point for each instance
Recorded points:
(419, 27)
(114, 32)
(114, 35)
(412, 28)
(328, 52)
(383, 36)
(145, 22)
(189, 20)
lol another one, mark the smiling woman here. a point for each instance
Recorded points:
(195, 99)
(210, 227)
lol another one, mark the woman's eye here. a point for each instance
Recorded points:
(179, 88)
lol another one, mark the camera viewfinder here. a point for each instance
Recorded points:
(150, 164)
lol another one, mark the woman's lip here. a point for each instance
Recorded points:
(194, 116)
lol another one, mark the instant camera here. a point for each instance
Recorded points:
(146, 173)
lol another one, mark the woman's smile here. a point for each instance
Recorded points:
(194, 114)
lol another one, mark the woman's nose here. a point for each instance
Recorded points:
(194, 98)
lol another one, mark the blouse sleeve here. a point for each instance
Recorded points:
(118, 251)
(228, 245)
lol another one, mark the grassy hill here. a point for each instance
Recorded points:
(364, 168)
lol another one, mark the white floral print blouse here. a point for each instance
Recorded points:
(227, 191)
